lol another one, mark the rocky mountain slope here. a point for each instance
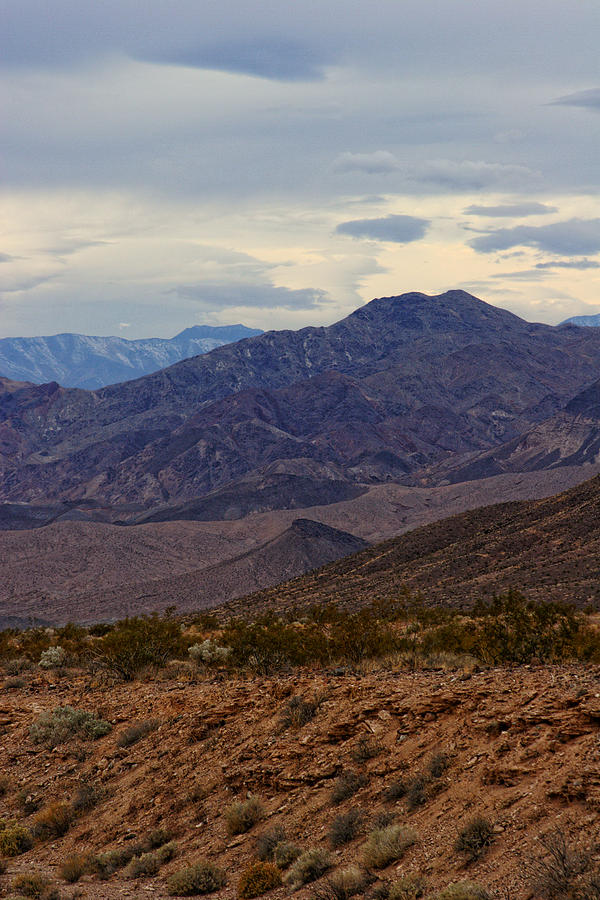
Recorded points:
(515, 747)
(549, 549)
(402, 383)
(84, 361)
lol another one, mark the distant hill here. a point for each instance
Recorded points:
(549, 549)
(589, 321)
(80, 360)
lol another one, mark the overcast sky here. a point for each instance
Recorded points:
(280, 163)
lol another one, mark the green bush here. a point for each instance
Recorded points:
(149, 863)
(201, 878)
(135, 644)
(243, 815)
(386, 845)
(64, 723)
(474, 838)
(309, 866)
(463, 890)
(258, 878)
(14, 838)
(107, 863)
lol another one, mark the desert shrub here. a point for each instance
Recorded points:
(258, 878)
(5, 784)
(409, 887)
(438, 764)
(386, 845)
(474, 838)
(416, 792)
(53, 658)
(365, 749)
(285, 853)
(87, 796)
(156, 838)
(14, 838)
(18, 665)
(243, 815)
(201, 878)
(346, 827)
(564, 872)
(346, 786)
(463, 890)
(299, 712)
(107, 863)
(342, 885)
(73, 867)
(53, 821)
(135, 644)
(396, 790)
(135, 733)
(209, 653)
(267, 841)
(383, 818)
(14, 683)
(65, 722)
(309, 866)
(34, 885)
(149, 863)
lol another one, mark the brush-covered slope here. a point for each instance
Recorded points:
(517, 747)
(549, 549)
(85, 361)
(401, 383)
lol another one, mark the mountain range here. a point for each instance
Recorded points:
(84, 361)
(399, 387)
(588, 321)
(410, 409)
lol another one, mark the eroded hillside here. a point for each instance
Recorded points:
(431, 750)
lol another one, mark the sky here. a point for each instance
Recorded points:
(279, 164)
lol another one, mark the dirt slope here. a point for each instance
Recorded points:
(522, 745)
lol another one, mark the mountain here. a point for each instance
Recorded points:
(79, 360)
(549, 549)
(401, 384)
(588, 321)
(569, 438)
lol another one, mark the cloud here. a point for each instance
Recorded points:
(263, 296)
(575, 236)
(586, 99)
(277, 59)
(397, 229)
(6, 257)
(471, 174)
(511, 209)
(380, 162)
(569, 264)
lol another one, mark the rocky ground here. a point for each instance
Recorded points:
(520, 748)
